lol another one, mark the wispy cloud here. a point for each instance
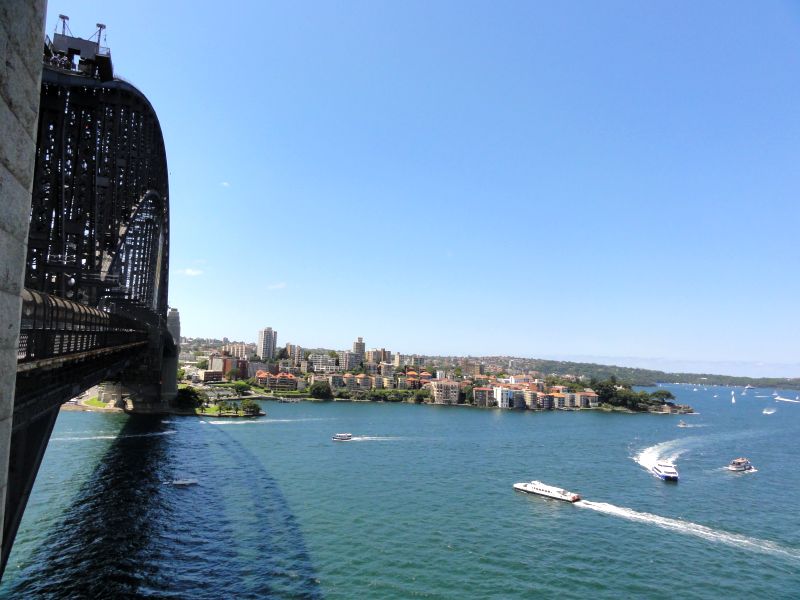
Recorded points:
(225, 184)
(277, 286)
(190, 272)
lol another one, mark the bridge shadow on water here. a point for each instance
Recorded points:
(130, 533)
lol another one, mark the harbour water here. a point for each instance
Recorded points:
(419, 504)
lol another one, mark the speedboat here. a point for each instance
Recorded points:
(342, 437)
(665, 470)
(184, 482)
(542, 489)
(682, 423)
(768, 411)
(740, 464)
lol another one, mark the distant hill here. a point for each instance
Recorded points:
(636, 376)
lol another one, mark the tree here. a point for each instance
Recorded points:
(181, 374)
(202, 363)
(662, 395)
(233, 374)
(188, 397)
(283, 354)
(240, 387)
(250, 407)
(320, 390)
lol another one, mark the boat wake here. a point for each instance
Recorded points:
(259, 421)
(374, 438)
(688, 528)
(112, 437)
(664, 452)
(782, 399)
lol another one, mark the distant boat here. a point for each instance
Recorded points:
(550, 491)
(733, 397)
(716, 395)
(342, 437)
(768, 411)
(740, 464)
(682, 423)
(782, 399)
(184, 482)
(749, 387)
(694, 390)
(665, 471)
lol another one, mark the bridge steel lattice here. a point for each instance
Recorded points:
(97, 268)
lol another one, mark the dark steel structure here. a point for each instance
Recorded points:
(97, 272)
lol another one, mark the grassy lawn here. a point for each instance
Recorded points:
(94, 402)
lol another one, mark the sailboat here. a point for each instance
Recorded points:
(733, 397)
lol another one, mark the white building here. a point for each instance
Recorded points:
(267, 338)
(323, 363)
(503, 396)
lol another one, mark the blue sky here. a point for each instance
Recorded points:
(606, 179)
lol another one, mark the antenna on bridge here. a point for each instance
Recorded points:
(64, 26)
(100, 28)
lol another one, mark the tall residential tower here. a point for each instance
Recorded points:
(267, 339)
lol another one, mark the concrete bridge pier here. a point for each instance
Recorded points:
(21, 34)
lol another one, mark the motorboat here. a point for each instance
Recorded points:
(550, 491)
(184, 482)
(342, 437)
(682, 423)
(665, 470)
(740, 464)
(768, 411)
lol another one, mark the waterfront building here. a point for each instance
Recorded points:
(364, 382)
(377, 382)
(502, 396)
(388, 382)
(484, 396)
(267, 340)
(444, 391)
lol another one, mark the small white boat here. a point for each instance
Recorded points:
(550, 491)
(683, 424)
(749, 387)
(733, 397)
(665, 471)
(768, 411)
(184, 482)
(342, 437)
(740, 464)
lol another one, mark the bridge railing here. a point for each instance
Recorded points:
(53, 327)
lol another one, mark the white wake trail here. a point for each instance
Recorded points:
(665, 451)
(687, 527)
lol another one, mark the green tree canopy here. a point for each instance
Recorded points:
(320, 390)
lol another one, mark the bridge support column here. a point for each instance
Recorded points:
(21, 34)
